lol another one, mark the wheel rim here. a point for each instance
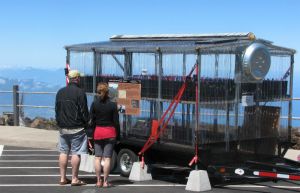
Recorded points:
(126, 162)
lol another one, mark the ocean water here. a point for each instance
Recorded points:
(49, 100)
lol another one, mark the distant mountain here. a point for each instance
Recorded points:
(28, 85)
(52, 77)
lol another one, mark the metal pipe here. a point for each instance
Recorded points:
(37, 106)
(159, 106)
(99, 64)
(215, 123)
(127, 65)
(94, 71)
(198, 109)
(25, 92)
(67, 64)
(290, 102)
(237, 96)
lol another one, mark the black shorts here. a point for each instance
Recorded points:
(104, 147)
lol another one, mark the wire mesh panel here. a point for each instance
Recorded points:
(262, 118)
(144, 71)
(217, 94)
(83, 62)
(174, 69)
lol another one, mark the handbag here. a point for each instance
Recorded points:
(87, 160)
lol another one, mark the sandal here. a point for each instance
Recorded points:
(78, 183)
(107, 185)
(99, 184)
(67, 181)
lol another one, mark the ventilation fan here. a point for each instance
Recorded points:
(256, 63)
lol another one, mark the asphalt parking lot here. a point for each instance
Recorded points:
(36, 170)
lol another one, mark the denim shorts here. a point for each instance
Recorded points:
(74, 144)
(104, 147)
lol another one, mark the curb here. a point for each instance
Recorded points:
(1, 149)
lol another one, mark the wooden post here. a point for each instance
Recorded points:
(16, 104)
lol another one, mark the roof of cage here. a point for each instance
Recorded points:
(179, 43)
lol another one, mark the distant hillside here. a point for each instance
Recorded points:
(53, 77)
(28, 85)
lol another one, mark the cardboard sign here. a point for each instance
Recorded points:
(128, 96)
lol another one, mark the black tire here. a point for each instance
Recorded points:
(113, 162)
(126, 158)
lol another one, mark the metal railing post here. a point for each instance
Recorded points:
(16, 104)
(290, 111)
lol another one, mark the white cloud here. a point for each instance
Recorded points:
(2, 81)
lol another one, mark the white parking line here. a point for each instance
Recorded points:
(23, 161)
(31, 167)
(55, 175)
(39, 155)
(24, 150)
(124, 185)
(1, 149)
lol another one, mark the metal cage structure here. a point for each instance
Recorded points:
(245, 86)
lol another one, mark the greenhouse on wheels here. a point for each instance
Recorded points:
(235, 107)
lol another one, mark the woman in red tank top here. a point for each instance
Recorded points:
(104, 114)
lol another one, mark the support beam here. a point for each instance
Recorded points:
(158, 62)
(197, 103)
(183, 122)
(94, 72)
(237, 98)
(290, 101)
(215, 123)
(118, 62)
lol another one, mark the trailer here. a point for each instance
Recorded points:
(235, 110)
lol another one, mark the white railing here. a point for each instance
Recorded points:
(91, 94)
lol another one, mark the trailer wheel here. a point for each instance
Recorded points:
(126, 158)
(113, 162)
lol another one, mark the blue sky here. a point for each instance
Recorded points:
(33, 33)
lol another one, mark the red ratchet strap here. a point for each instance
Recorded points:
(153, 138)
(276, 175)
(196, 158)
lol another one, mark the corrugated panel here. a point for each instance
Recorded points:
(180, 43)
(181, 37)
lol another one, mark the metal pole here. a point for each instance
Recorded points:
(290, 101)
(68, 57)
(95, 71)
(99, 66)
(16, 104)
(160, 74)
(215, 123)
(67, 64)
(237, 99)
(198, 88)
(183, 123)
(127, 73)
